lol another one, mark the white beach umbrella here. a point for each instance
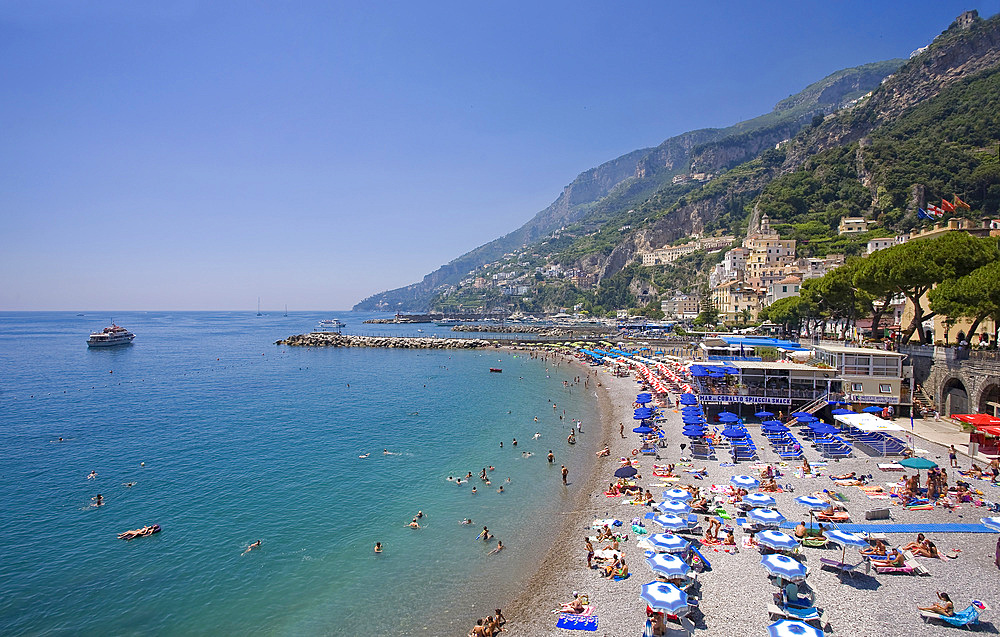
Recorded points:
(991, 523)
(776, 540)
(671, 522)
(681, 495)
(747, 482)
(668, 565)
(673, 506)
(667, 543)
(784, 567)
(759, 499)
(769, 517)
(793, 628)
(665, 597)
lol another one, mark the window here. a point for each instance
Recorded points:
(784, 288)
(884, 388)
(857, 386)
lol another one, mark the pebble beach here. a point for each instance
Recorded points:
(734, 594)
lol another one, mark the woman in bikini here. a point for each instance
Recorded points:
(947, 608)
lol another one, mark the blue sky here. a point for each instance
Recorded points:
(192, 155)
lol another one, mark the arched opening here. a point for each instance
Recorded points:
(954, 398)
(989, 400)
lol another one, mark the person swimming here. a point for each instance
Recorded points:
(253, 546)
(91, 475)
(378, 547)
(466, 521)
(365, 455)
(128, 484)
(98, 500)
(537, 435)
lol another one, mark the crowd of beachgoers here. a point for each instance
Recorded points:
(925, 558)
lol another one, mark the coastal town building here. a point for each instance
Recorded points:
(868, 375)
(735, 300)
(852, 225)
(789, 286)
(669, 254)
(680, 306)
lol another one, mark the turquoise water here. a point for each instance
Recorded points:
(242, 440)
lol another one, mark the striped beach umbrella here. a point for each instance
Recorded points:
(668, 565)
(812, 502)
(667, 543)
(991, 523)
(673, 506)
(665, 597)
(845, 539)
(793, 628)
(747, 482)
(759, 499)
(671, 522)
(767, 517)
(776, 540)
(784, 567)
(681, 495)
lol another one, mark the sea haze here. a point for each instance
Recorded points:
(244, 440)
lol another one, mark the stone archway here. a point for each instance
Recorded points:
(989, 394)
(954, 397)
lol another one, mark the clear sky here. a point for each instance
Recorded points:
(197, 155)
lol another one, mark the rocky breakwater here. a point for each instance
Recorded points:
(327, 339)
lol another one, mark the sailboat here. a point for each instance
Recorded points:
(286, 309)
(258, 307)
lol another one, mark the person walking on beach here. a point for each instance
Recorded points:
(953, 456)
(621, 430)
(565, 473)
(590, 552)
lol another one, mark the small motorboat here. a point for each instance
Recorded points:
(496, 370)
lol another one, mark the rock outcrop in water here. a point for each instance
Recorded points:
(328, 339)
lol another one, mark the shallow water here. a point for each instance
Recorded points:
(243, 440)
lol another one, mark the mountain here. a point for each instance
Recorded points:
(607, 193)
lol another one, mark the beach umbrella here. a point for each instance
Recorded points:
(778, 428)
(763, 414)
(694, 434)
(694, 427)
(807, 419)
(841, 412)
(643, 411)
(643, 398)
(734, 432)
(642, 430)
(812, 502)
(728, 414)
(747, 482)
(626, 472)
(671, 522)
(673, 506)
(784, 567)
(918, 463)
(688, 399)
(759, 499)
(681, 495)
(767, 517)
(692, 419)
(668, 565)
(776, 540)
(667, 543)
(793, 628)
(665, 597)
(992, 524)
(824, 429)
(692, 411)
(845, 539)
(728, 418)
(837, 402)
(872, 409)
(800, 414)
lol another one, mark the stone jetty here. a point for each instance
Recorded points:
(329, 339)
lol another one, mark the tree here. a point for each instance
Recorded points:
(975, 296)
(835, 296)
(915, 267)
(709, 314)
(789, 313)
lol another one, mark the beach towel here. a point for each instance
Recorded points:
(569, 621)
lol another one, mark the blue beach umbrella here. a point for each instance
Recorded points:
(644, 397)
(642, 430)
(665, 597)
(793, 628)
(673, 506)
(841, 412)
(747, 482)
(668, 565)
(992, 524)
(763, 414)
(771, 423)
(671, 522)
(694, 434)
(626, 472)
(734, 432)
(689, 399)
(645, 412)
(767, 517)
(807, 419)
(837, 402)
(825, 429)
(689, 418)
(667, 543)
(776, 540)
(872, 410)
(784, 567)
(692, 412)
(801, 414)
(759, 499)
(728, 418)
(694, 427)
(812, 502)
(779, 428)
(681, 495)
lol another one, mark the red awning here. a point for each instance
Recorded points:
(989, 431)
(979, 420)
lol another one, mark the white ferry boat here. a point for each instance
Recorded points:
(328, 323)
(110, 336)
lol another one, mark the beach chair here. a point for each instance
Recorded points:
(909, 567)
(844, 567)
(961, 619)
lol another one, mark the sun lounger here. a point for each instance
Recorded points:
(844, 567)
(961, 619)
(840, 516)
(810, 614)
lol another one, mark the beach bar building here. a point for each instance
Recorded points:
(778, 383)
(868, 375)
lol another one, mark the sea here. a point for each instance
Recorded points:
(318, 453)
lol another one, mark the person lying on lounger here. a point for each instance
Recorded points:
(878, 550)
(912, 546)
(947, 608)
(895, 559)
(769, 485)
(845, 476)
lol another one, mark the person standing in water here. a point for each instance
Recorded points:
(550, 456)
(565, 474)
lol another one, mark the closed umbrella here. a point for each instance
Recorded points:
(776, 540)
(759, 499)
(681, 495)
(767, 517)
(784, 567)
(747, 482)
(793, 628)
(665, 597)
(667, 543)
(668, 565)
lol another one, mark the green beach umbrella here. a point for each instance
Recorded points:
(918, 463)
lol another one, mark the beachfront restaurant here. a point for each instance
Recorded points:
(870, 376)
(732, 347)
(741, 382)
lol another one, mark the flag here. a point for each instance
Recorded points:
(961, 204)
(922, 214)
(934, 211)
(947, 205)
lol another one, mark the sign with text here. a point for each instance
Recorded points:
(882, 400)
(710, 399)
